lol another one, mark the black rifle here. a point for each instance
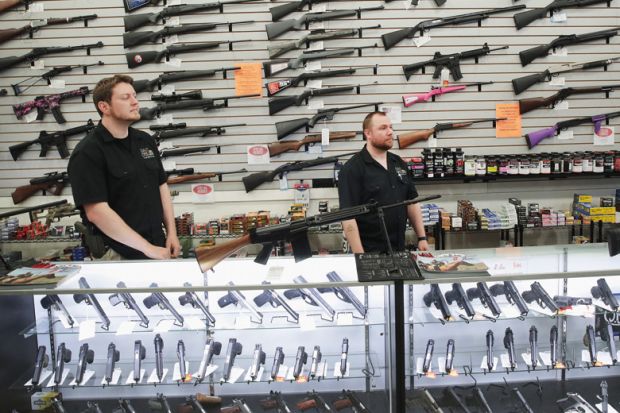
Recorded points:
(451, 61)
(278, 12)
(278, 28)
(509, 345)
(154, 56)
(428, 356)
(257, 360)
(509, 289)
(85, 357)
(204, 104)
(391, 39)
(181, 357)
(191, 298)
(606, 331)
(145, 85)
(139, 353)
(129, 302)
(311, 296)
(344, 293)
(275, 402)
(235, 297)
(253, 181)
(277, 86)
(349, 399)
(36, 53)
(53, 301)
(271, 296)
(553, 341)
(344, 356)
(132, 39)
(50, 139)
(159, 299)
(178, 97)
(113, 356)
(434, 296)
(490, 338)
(168, 127)
(523, 83)
(527, 56)
(534, 346)
(273, 67)
(135, 21)
(41, 361)
(211, 347)
(538, 294)
(317, 356)
(482, 292)
(602, 291)
(525, 18)
(313, 36)
(47, 76)
(415, 2)
(63, 355)
(200, 131)
(35, 25)
(280, 103)
(300, 360)
(90, 299)
(287, 127)
(589, 339)
(158, 342)
(234, 349)
(167, 153)
(458, 294)
(278, 359)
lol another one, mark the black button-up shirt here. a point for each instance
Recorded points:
(125, 173)
(361, 180)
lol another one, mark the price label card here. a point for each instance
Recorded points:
(258, 154)
(506, 361)
(315, 148)
(306, 322)
(316, 25)
(176, 371)
(485, 366)
(29, 118)
(338, 372)
(36, 8)
(604, 136)
(313, 66)
(174, 62)
(57, 84)
(431, 142)
(557, 81)
(558, 17)
(316, 45)
(174, 21)
(125, 328)
(284, 182)
(560, 51)
(87, 330)
(130, 378)
(116, 376)
(154, 379)
(325, 136)
(164, 326)
(561, 105)
(422, 40)
(316, 104)
(259, 375)
(235, 374)
(393, 112)
(172, 39)
(167, 90)
(315, 84)
(565, 134)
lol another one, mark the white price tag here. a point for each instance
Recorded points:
(393, 112)
(313, 66)
(561, 105)
(194, 323)
(87, 375)
(444, 76)
(315, 148)
(545, 357)
(174, 21)
(338, 373)
(274, 273)
(422, 40)
(344, 319)
(325, 136)
(57, 84)
(167, 90)
(565, 134)
(203, 193)
(235, 374)
(316, 25)
(319, 8)
(315, 84)
(506, 361)
(243, 321)
(585, 356)
(484, 366)
(169, 165)
(166, 118)
(604, 357)
(259, 374)
(172, 39)
(316, 104)
(306, 322)
(176, 372)
(284, 182)
(321, 370)
(431, 142)
(316, 45)
(174, 62)
(36, 8)
(116, 376)
(557, 81)
(125, 328)
(87, 330)
(154, 379)
(130, 378)
(527, 359)
(604, 136)
(165, 145)
(558, 17)
(407, 4)
(45, 374)
(560, 51)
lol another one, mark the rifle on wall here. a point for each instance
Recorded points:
(155, 56)
(408, 139)
(277, 148)
(205, 104)
(277, 86)
(52, 182)
(186, 176)
(47, 76)
(35, 25)
(530, 104)
(49, 139)
(413, 98)
(34, 54)
(279, 103)
(48, 104)
(165, 78)
(200, 131)
(525, 18)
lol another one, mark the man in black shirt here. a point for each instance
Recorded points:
(118, 180)
(376, 174)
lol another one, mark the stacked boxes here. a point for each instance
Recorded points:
(430, 214)
(466, 211)
(583, 208)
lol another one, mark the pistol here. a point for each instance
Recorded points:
(85, 357)
(350, 399)
(63, 355)
(316, 359)
(238, 406)
(129, 302)
(428, 356)
(434, 296)
(113, 356)
(235, 297)
(553, 341)
(181, 357)
(191, 298)
(482, 292)
(534, 346)
(159, 299)
(313, 400)
(509, 345)
(41, 362)
(278, 359)
(257, 361)
(538, 294)
(58, 406)
(159, 357)
(344, 293)
(125, 406)
(490, 356)
(211, 347)
(90, 299)
(589, 340)
(602, 291)
(300, 360)
(458, 294)
(311, 296)
(139, 353)
(234, 349)
(344, 356)
(449, 356)
(192, 401)
(275, 401)
(270, 296)
(52, 301)
(477, 397)
(160, 404)
(606, 331)
(509, 289)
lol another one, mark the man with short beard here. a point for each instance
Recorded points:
(377, 174)
(118, 180)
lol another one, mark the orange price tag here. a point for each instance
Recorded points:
(511, 127)
(248, 79)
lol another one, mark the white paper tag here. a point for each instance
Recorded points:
(585, 356)
(57, 84)
(174, 62)
(259, 374)
(315, 84)
(165, 145)
(235, 374)
(558, 17)
(45, 374)
(422, 40)
(407, 4)
(392, 112)
(306, 322)
(163, 326)
(527, 359)
(87, 330)
(560, 51)
(557, 81)
(484, 366)
(325, 136)
(344, 319)
(321, 370)
(610, 408)
(319, 7)
(38, 65)
(506, 361)
(116, 375)
(166, 118)
(338, 373)
(561, 105)
(174, 21)
(283, 182)
(282, 373)
(29, 118)
(431, 142)
(444, 76)
(36, 8)
(125, 328)
(604, 357)
(172, 39)
(313, 66)
(316, 45)
(65, 373)
(154, 379)
(195, 323)
(545, 358)
(167, 89)
(274, 273)
(258, 154)
(176, 372)
(87, 375)
(316, 25)
(130, 379)
(565, 134)
(315, 148)
(315, 104)
(419, 369)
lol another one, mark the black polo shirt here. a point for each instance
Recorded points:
(125, 173)
(363, 179)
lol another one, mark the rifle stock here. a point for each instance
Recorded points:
(253, 181)
(208, 257)
(521, 84)
(284, 146)
(524, 18)
(407, 139)
(24, 192)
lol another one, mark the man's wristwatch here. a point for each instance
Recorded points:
(421, 238)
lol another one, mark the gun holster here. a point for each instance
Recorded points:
(92, 241)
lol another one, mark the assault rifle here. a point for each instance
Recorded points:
(253, 181)
(47, 140)
(525, 18)
(523, 83)
(34, 54)
(155, 56)
(529, 55)
(48, 104)
(413, 98)
(273, 67)
(313, 36)
(35, 25)
(169, 77)
(200, 131)
(191, 176)
(279, 28)
(135, 21)
(534, 138)
(279, 103)
(205, 104)
(54, 182)
(451, 61)
(54, 214)
(47, 76)
(530, 104)
(284, 146)
(277, 86)
(287, 127)
(132, 39)
(407, 139)
(391, 39)
(296, 232)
